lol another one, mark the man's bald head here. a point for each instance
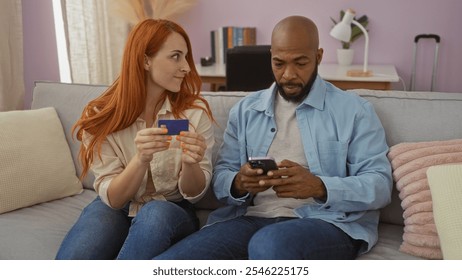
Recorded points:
(295, 29)
(295, 55)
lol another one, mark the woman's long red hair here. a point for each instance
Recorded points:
(124, 101)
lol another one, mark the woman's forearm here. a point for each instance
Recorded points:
(124, 187)
(192, 179)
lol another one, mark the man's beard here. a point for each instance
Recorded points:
(305, 90)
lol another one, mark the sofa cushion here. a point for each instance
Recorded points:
(220, 104)
(387, 247)
(68, 101)
(411, 116)
(410, 162)
(446, 189)
(36, 232)
(35, 161)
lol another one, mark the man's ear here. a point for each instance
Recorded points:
(147, 63)
(319, 54)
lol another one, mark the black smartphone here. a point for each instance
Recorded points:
(266, 163)
(174, 127)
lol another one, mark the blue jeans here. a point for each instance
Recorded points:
(104, 233)
(256, 238)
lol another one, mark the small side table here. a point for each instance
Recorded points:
(381, 79)
(215, 75)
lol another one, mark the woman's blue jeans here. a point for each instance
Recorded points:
(266, 238)
(105, 233)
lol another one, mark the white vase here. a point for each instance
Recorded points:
(345, 56)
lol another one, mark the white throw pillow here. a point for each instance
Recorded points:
(35, 160)
(446, 188)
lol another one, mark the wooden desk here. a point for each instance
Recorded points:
(215, 75)
(381, 79)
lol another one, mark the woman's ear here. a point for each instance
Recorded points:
(147, 63)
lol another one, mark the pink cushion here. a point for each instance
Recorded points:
(410, 162)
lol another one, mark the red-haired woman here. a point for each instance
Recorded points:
(146, 180)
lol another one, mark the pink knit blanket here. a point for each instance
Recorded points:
(410, 162)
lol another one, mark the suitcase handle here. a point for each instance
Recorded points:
(435, 61)
(429, 36)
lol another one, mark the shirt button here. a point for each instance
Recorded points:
(327, 207)
(273, 129)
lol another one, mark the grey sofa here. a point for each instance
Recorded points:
(36, 232)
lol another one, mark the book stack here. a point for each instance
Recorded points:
(227, 37)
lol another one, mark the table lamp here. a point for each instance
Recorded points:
(342, 32)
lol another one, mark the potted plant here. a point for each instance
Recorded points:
(345, 54)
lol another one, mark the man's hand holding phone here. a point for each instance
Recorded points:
(265, 163)
(292, 180)
(250, 174)
(288, 179)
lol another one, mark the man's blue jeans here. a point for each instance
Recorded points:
(105, 233)
(264, 238)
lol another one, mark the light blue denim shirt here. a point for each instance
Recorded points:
(343, 141)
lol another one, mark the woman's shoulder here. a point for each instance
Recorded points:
(199, 102)
(198, 108)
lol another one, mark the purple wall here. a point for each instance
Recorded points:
(393, 25)
(40, 51)
(392, 28)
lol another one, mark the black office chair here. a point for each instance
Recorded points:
(248, 68)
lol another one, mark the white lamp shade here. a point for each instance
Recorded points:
(342, 30)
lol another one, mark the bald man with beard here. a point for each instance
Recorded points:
(333, 173)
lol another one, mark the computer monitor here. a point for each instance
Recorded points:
(248, 68)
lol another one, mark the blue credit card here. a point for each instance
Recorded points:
(174, 127)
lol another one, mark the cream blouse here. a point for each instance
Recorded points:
(119, 148)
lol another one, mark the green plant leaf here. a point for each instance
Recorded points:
(363, 19)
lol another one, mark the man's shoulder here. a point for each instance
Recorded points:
(340, 95)
(254, 98)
